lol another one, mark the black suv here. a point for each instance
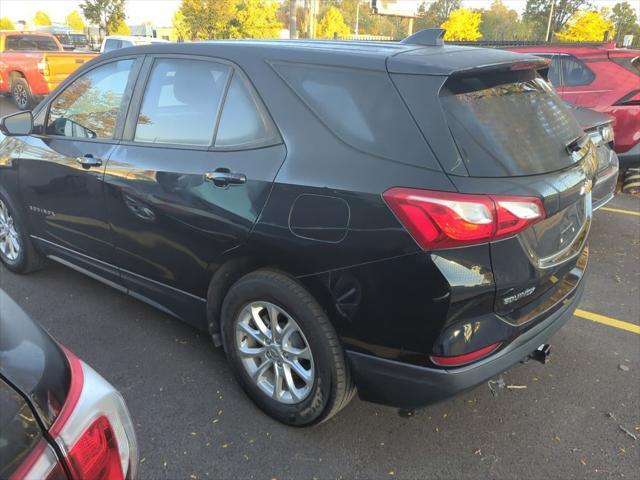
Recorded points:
(404, 220)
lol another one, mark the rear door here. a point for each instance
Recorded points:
(188, 182)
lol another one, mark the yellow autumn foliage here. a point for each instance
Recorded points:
(463, 24)
(586, 26)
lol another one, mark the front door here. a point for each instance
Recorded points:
(197, 161)
(62, 168)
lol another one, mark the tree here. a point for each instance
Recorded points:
(6, 24)
(41, 19)
(75, 21)
(586, 26)
(624, 19)
(107, 14)
(120, 29)
(257, 19)
(332, 23)
(500, 22)
(463, 24)
(210, 18)
(180, 28)
(536, 13)
(440, 10)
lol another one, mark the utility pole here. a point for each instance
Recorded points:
(357, 16)
(553, 4)
(293, 19)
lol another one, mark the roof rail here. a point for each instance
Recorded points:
(431, 37)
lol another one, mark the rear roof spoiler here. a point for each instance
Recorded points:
(429, 37)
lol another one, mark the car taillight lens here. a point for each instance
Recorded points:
(96, 454)
(93, 431)
(43, 67)
(439, 220)
(460, 360)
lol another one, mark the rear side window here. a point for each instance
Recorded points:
(575, 73)
(361, 107)
(31, 43)
(244, 121)
(509, 124)
(630, 63)
(112, 44)
(89, 106)
(181, 102)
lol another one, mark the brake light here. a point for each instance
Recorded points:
(93, 431)
(459, 360)
(95, 454)
(439, 220)
(43, 67)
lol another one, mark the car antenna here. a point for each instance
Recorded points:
(431, 37)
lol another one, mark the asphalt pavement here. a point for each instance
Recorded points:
(575, 417)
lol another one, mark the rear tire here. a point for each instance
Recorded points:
(21, 94)
(294, 347)
(17, 251)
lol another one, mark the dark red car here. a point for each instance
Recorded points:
(605, 79)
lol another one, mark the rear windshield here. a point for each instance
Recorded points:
(630, 63)
(510, 124)
(31, 42)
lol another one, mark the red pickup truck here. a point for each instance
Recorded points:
(32, 64)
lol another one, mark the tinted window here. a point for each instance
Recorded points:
(112, 44)
(509, 124)
(361, 107)
(31, 42)
(181, 102)
(244, 121)
(554, 67)
(575, 73)
(89, 106)
(630, 63)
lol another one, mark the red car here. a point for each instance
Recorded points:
(605, 79)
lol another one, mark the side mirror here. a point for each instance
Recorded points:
(17, 124)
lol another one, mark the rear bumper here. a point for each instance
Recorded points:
(408, 386)
(605, 185)
(630, 158)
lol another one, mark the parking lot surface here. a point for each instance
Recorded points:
(575, 417)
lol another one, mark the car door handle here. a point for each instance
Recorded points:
(223, 177)
(89, 161)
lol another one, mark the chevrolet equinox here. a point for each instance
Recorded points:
(402, 220)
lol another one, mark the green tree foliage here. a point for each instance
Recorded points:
(258, 19)
(536, 14)
(434, 14)
(207, 19)
(75, 21)
(500, 22)
(586, 26)
(107, 14)
(41, 19)
(6, 24)
(332, 23)
(463, 24)
(624, 19)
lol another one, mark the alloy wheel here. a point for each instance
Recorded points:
(275, 352)
(20, 96)
(9, 240)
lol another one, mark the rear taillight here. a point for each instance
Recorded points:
(467, 358)
(93, 431)
(95, 454)
(439, 220)
(43, 67)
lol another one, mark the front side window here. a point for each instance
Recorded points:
(575, 73)
(181, 102)
(244, 122)
(89, 106)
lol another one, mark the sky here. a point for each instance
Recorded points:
(160, 11)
